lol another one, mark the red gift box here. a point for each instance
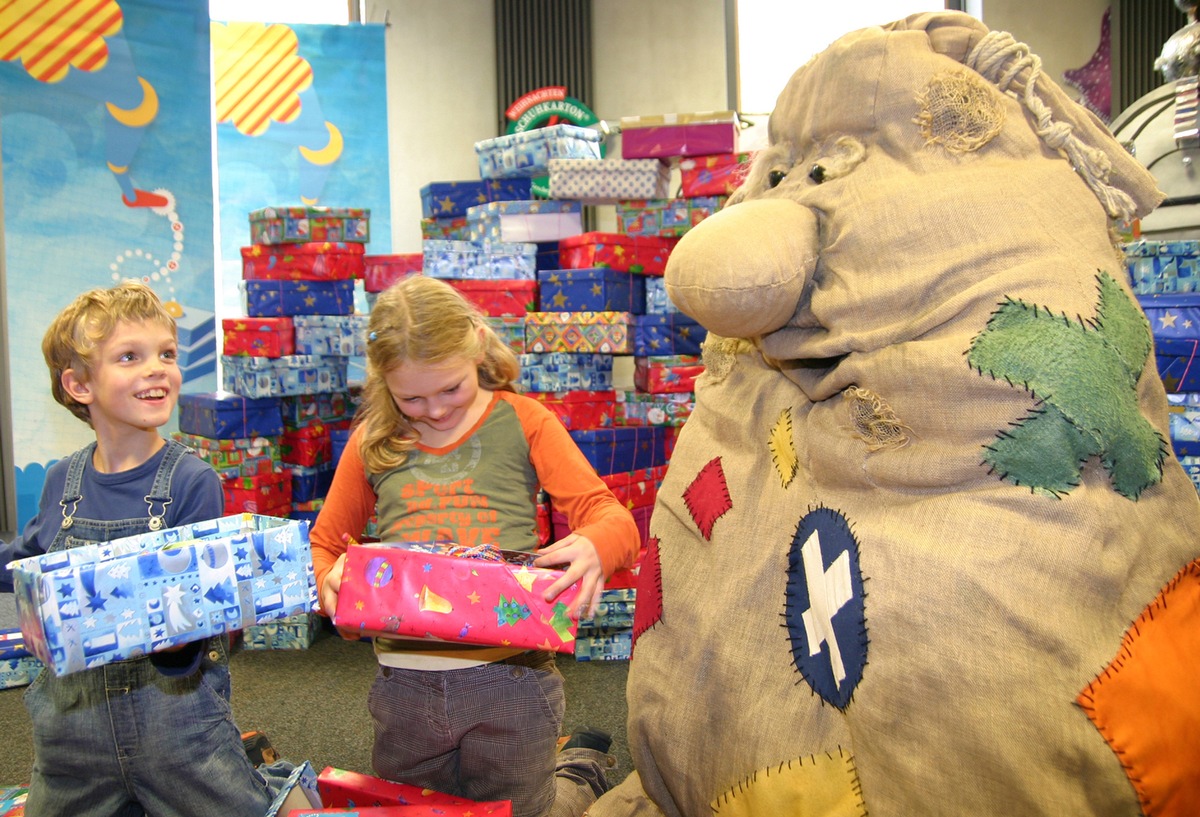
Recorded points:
(641, 518)
(579, 409)
(258, 337)
(646, 255)
(264, 494)
(444, 593)
(344, 789)
(667, 374)
(308, 445)
(635, 489)
(310, 261)
(499, 298)
(717, 175)
(381, 271)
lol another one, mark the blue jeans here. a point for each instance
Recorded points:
(485, 733)
(124, 740)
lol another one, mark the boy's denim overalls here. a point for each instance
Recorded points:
(110, 738)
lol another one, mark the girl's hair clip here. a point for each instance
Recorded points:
(371, 336)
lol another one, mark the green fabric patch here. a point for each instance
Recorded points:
(1085, 375)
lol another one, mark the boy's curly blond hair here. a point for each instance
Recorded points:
(71, 340)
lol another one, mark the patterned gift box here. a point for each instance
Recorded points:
(671, 334)
(311, 261)
(524, 221)
(224, 415)
(260, 337)
(296, 225)
(309, 510)
(622, 448)
(636, 489)
(667, 374)
(717, 175)
(299, 791)
(1183, 414)
(291, 633)
(12, 801)
(499, 298)
(579, 409)
(564, 371)
(340, 788)
(284, 298)
(657, 300)
(1191, 466)
(302, 409)
(527, 154)
(444, 229)
(18, 666)
(480, 260)
(237, 457)
(646, 255)
(605, 645)
(94, 604)
(381, 271)
(616, 614)
(608, 181)
(331, 335)
(308, 445)
(666, 218)
(636, 408)
(511, 331)
(679, 134)
(266, 494)
(446, 592)
(579, 332)
(1163, 266)
(599, 289)
(1172, 316)
(279, 376)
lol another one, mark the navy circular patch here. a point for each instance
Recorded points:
(825, 610)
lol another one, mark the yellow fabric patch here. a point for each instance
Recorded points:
(783, 449)
(818, 784)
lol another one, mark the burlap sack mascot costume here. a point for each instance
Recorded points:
(923, 547)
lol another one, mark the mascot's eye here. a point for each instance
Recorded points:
(775, 178)
(817, 174)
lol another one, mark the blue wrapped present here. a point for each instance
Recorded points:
(281, 376)
(598, 289)
(18, 666)
(298, 792)
(671, 334)
(446, 200)
(267, 299)
(1178, 365)
(227, 415)
(1172, 315)
(622, 448)
(90, 605)
(657, 300)
(291, 633)
(604, 644)
(310, 482)
(475, 260)
(1163, 266)
(566, 371)
(288, 225)
(527, 154)
(522, 221)
(333, 335)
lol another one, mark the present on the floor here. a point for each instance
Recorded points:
(580, 332)
(292, 633)
(499, 298)
(266, 299)
(480, 260)
(679, 134)
(671, 334)
(161, 589)
(658, 302)
(451, 593)
(306, 445)
(12, 801)
(613, 613)
(666, 218)
(257, 377)
(340, 788)
(565, 371)
(294, 225)
(605, 645)
(1178, 365)
(234, 457)
(1163, 266)
(381, 271)
(579, 409)
(309, 261)
(608, 181)
(18, 666)
(310, 482)
(266, 494)
(645, 255)
(444, 229)
(535, 220)
(715, 175)
(527, 154)
(230, 414)
(511, 331)
(622, 448)
(638, 488)
(639, 408)
(667, 374)
(330, 407)
(298, 792)
(330, 335)
(598, 289)
(260, 337)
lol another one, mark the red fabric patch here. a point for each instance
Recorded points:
(1145, 702)
(648, 610)
(707, 498)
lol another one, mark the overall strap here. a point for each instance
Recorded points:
(74, 483)
(161, 490)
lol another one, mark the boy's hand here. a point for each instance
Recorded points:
(583, 566)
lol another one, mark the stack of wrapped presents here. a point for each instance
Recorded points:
(1166, 278)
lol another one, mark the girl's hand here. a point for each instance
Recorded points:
(582, 562)
(329, 594)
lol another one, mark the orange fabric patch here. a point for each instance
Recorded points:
(1146, 703)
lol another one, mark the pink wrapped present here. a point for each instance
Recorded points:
(309, 261)
(381, 271)
(447, 592)
(340, 789)
(678, 134)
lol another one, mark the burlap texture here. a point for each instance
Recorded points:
(993, 595)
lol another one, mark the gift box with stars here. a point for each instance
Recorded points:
(671, 334)
(645, 255)
(580, 332)
(343, 789)
(271, 299)
(598, 289)
(667, 218)
(579, 409)
(1172, 316)
(499, 298)
(622, 448)
(527, 154)
(90, 605)
(451, 199)
(715, 175)
(295, 225)
(667, 374)
(258, 337)
(309, 261)
(447, 592)
(229, 414)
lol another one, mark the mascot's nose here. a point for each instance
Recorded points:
(741, 271)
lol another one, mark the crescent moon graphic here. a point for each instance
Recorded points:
(143, 114)
(328, 154)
